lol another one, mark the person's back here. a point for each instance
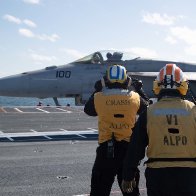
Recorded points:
(117, 110)
(175, 119)
(168, 131)
(171, 152)
(116, 107)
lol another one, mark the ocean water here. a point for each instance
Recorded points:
(20, 101)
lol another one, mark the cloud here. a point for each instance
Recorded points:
(72, 52)
(52, 38)
(18, 21)
(4, 73)
(13, 19)
(185, 34)
(143, 52)
(32, 1)
(170, 40)
(191, 50)
(42, 58)
(158, 19)
(26, 33)
(29, 23)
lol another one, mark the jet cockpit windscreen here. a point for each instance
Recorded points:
(110, 56)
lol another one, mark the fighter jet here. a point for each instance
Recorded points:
(77, 79)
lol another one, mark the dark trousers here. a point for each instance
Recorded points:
(171, 181)
(105, 169)
(166, 193)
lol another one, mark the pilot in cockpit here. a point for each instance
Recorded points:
(97, 58)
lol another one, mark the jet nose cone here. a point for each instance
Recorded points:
(12, 85)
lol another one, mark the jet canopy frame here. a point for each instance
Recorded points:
(106, 56)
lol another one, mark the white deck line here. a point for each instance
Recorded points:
(51, 133)
(95, 130)
(67, 111)
(42, 110)
(2, 134)
(64, 130)
(43, 135)
(18, 110)
(3, 110)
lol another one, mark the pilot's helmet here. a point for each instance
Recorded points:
(116, 74)
(96, 58)
(170, 77)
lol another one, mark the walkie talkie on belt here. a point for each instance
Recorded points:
(110, 149)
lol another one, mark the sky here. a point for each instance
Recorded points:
(35, 34)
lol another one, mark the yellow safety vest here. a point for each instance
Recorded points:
(117, 110)
(171, 127)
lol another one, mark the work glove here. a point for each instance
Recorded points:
(137, 84)
(128, 186)
(101, 83)
(98, 86)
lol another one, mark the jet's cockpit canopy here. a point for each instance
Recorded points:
(106, 56)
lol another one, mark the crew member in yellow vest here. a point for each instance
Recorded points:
(167, 132)
(116, 107)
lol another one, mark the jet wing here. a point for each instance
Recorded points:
(190, 75)
(144, 74)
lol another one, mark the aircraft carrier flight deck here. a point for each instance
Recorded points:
(48, 151)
